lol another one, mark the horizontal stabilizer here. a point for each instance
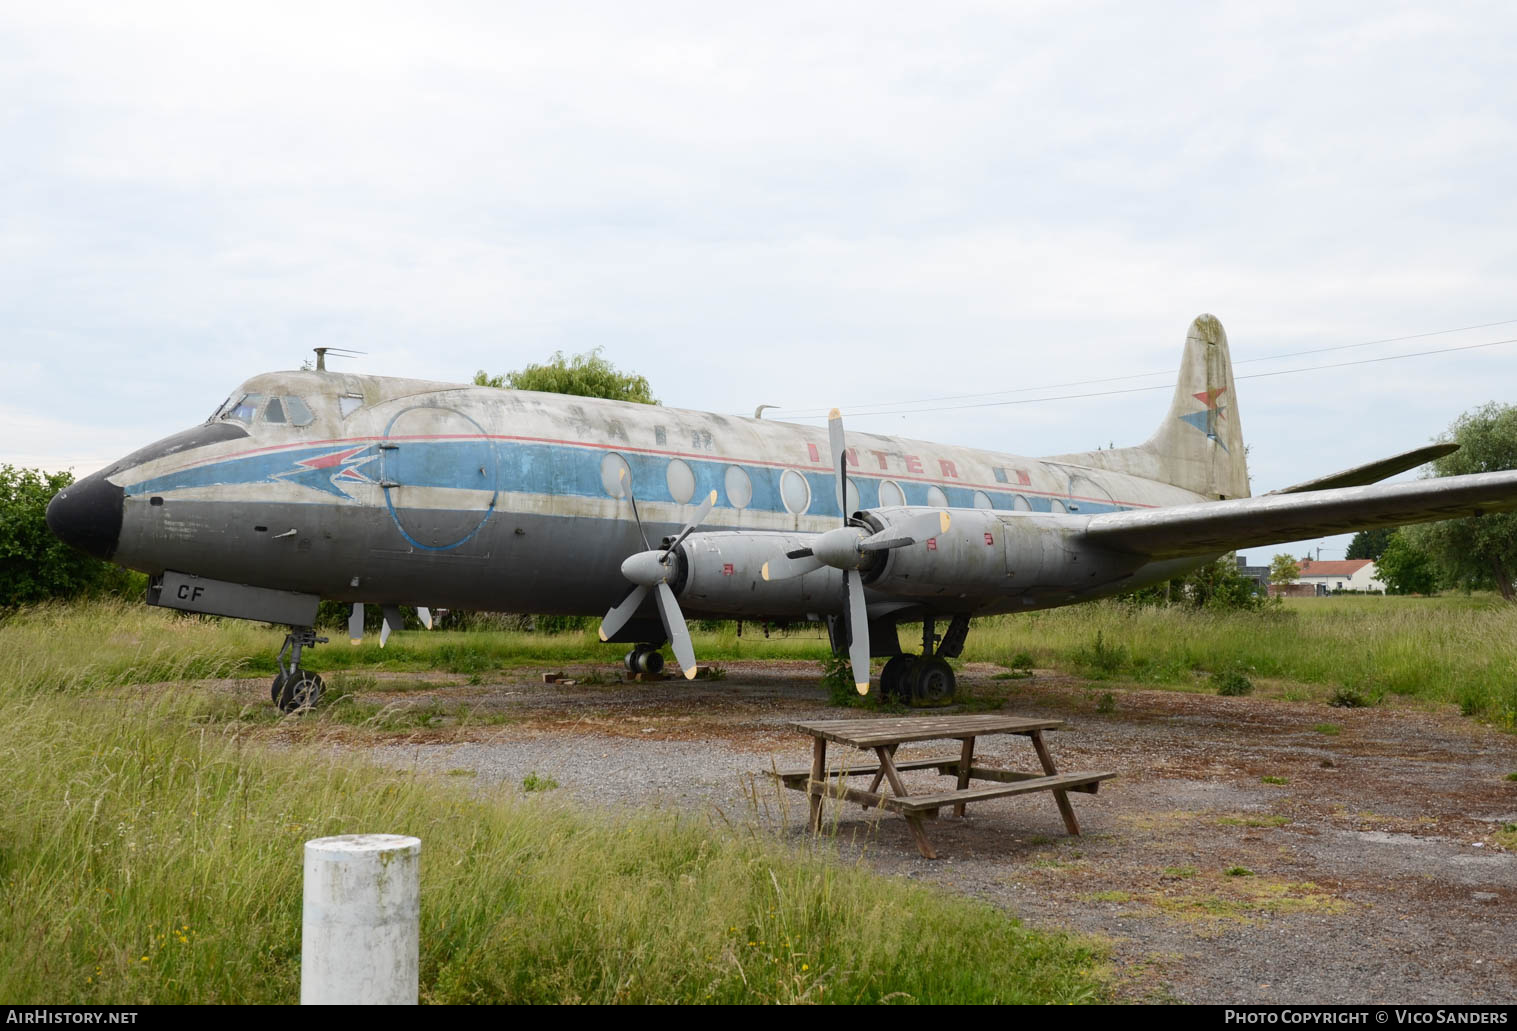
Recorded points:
(1214, 527)
(1373, 472)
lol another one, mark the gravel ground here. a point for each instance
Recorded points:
(1373, 873)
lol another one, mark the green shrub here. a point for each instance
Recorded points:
(1232, 684)
(532, 782)
(1348, 698)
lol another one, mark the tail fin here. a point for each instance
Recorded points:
(1199, 443)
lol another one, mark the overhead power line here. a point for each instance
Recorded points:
(890, 407)
(1171, 386)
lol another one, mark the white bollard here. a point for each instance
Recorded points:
(360, 927)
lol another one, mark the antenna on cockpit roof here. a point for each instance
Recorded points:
(321, 355)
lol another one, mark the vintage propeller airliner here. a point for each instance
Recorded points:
(319, 484)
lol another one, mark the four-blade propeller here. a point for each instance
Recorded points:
(651, 570)
(846, 547)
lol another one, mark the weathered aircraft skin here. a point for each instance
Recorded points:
(395, 491)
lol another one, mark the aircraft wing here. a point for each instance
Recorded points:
(1210, 527)
(1373, 472)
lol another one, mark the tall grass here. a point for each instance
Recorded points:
(1454, 649)
(148, 856)
(150, 853)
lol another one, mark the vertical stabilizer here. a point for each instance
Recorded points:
(1199, 443)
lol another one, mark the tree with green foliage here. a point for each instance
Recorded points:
(1406, 568)
(584, 375)
(1369, 544)
(1477, 551)
(35, 565)
(1216, 585)
(1284, 570)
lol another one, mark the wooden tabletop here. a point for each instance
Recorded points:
(874, 733)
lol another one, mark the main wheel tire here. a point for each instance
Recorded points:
(934, 683)
(630, 660)
(276, 688)
(895, 679)
(302, 691)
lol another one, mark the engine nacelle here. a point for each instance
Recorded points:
(986, 554)
(721, 574)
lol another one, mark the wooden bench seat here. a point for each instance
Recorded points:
(1058, 782)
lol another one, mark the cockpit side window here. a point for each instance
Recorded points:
(349, 403)
(299, 414)
(274, 412)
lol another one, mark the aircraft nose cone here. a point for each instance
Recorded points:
(87, 515)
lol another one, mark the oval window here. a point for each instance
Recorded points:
(891, 495)
(1057, 507)
(1021, 504)
(615, 476)
(681, 481)
(936, 498)
(739, 487)
(795, 492)
(982, 500)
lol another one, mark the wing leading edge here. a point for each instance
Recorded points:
(1210, 527)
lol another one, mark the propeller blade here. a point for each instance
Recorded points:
(858, 630)
(617, 617)
(790, 565)
(425, 615)
(917, 528)
(839, 457)
(696, 520)
(626, 489)
(674, 626)
(355, 624)
(393, 621)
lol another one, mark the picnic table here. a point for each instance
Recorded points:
(884, 736)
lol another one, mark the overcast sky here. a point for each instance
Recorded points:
(796, 204)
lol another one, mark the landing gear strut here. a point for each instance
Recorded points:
(926, 679)
(295, 688)
(644, 658)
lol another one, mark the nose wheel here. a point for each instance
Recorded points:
(294, 688)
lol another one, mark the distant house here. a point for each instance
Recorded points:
(1354, 574)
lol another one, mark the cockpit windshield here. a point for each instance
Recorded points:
(246, 408)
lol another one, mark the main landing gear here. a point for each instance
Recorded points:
(295, 688)
(926, 679)
(644, 658)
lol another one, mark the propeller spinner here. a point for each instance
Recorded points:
(651, 570)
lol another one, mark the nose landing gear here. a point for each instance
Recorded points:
(295, 688)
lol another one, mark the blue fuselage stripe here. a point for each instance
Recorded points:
(526, 467)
